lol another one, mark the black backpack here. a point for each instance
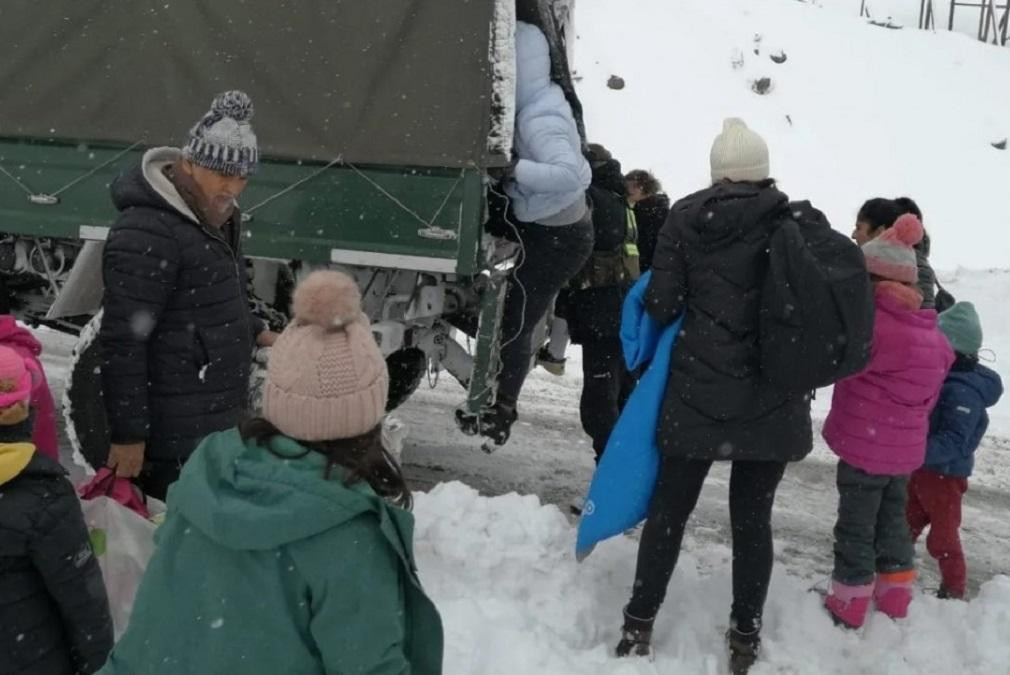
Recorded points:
(816, 320)
(610, 219)
(614, 261)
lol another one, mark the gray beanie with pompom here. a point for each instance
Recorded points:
(223, 140)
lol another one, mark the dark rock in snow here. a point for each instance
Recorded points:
(890, 24)
(1000, 145)
(779, 57)
(615, 82)
(761, 85)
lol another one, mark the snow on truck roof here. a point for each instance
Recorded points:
(397, 82)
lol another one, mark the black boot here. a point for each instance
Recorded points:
(636, 637)
(494, 422)
(743, 650)
(946, 594)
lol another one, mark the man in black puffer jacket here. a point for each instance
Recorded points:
(54, 612)
(710, 263)
(592, 302)
(177, 335)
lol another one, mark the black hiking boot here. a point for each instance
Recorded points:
(494, 422)
(946, 594)
(636, 637)
(743, 650)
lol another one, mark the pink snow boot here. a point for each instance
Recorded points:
(848, 604)
(894, 593)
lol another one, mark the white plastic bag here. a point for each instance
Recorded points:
(123, 542)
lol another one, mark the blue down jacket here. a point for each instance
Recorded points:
(959, 420)
(551, 174)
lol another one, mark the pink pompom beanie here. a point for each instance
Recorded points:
(326, 379)
(891, 255)
(15, 387)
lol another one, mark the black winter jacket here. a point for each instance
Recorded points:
(710, 262)
(650, 214)
(54, 612)
(594, 314)
(176, 334)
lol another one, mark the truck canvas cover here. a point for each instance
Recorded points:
(394, 82)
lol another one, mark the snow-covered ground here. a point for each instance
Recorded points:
(856, 111)
(497, 554)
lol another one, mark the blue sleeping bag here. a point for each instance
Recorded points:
(622, 486)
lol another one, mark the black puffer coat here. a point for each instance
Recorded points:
(54, 613)
(594, 314)
(650, 214)
(711, 260)
(176, 335)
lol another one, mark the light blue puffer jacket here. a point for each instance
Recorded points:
(551, 174)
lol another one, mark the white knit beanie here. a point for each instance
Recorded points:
(739, 154)
(326, 378)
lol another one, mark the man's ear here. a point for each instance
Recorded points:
(186, 166)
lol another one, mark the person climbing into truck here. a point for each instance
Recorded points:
(547, 191)
(177, 335)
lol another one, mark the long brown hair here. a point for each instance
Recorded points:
(364, 458)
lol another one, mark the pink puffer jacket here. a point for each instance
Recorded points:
(879, 418)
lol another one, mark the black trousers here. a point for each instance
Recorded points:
(606, 386)
(553, 255)
(751, 495)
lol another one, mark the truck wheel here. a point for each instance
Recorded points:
(406, 368)
(83, 404)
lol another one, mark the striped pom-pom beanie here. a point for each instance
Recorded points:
(891, 255)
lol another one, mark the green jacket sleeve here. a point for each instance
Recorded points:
(357, 600)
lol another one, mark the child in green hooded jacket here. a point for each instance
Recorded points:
(288, 547)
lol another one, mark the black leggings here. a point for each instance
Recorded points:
(751, 495)
(552, 256)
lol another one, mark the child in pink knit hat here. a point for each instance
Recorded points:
(44, 434)
(299, 519)
(877, 426)
(54, 610)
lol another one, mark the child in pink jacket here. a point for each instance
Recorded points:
(27, 347)
(877, 426)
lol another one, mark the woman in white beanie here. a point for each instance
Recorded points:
(288, 547)
(710, 263)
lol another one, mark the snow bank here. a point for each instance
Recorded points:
(856, 111)
(513, 599)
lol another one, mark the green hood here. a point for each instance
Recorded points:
(246, 498)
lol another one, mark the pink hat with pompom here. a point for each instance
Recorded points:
(15, 378)
(891, 255)
(326, 379)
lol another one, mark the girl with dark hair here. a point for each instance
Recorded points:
(877, 216)
(285, 548)
(877, 426)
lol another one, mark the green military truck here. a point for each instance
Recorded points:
(378, 124)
